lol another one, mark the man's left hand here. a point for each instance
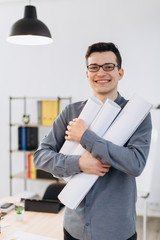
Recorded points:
(75, 130)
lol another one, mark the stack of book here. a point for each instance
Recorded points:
(34, 173)
(48, 112)
(27, 138)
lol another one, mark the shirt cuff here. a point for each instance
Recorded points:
(88, 139)
(72, 164)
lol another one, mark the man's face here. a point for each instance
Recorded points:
(103, 83)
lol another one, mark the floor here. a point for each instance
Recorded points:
(153, 228)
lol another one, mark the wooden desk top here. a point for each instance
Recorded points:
(46, 224)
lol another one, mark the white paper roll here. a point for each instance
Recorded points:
(120, 131)
(100, 124)
(128, 120)
(88, 114)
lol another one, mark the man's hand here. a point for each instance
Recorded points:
(91, 165)
(76, 128)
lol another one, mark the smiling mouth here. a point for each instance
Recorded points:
(102, 81)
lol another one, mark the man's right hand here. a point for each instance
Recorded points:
(91, 165)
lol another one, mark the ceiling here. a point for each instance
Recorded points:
(6, 1)
(11, 1)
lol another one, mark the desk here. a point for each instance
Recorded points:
(46, 224)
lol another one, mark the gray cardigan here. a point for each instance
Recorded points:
(108, 211)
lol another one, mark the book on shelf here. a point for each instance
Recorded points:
(34, 173)
(28, 166)
(23, 138)
(39, 112)
(48, 112)
(32, 168)
(27, 138)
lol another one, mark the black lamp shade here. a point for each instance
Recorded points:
(30, 30)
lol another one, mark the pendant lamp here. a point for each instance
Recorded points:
(29, 30)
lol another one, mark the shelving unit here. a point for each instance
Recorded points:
(19, 106)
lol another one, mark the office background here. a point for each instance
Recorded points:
(59, 69)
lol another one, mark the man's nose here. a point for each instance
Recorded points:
(101, 71)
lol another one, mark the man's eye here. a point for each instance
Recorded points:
(93, 67)
(108, 67)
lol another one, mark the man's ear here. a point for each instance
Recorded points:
(121, 73)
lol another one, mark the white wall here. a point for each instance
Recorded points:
(59, 69)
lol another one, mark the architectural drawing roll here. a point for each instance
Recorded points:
(120, 131)
(101, 123)
(88, 114)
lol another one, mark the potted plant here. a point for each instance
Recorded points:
(19, 212)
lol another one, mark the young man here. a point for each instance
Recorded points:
(108, 210)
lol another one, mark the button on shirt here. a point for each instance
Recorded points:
(108, 210)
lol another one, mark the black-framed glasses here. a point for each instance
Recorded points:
(106, 67)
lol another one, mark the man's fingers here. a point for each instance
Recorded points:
(72, 122)
(67, 137)
(106, 165)
(69, 127)
(105, 170)
(101, 174)
(75, 119)
(67, 132)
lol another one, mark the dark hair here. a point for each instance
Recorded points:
(104, 47)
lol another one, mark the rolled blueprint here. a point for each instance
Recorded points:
(101, 123)
(120, 131)
(88, 114)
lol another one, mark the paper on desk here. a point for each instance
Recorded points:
(100, 124)
(88, 113)
(120, 131)
(27, 236)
